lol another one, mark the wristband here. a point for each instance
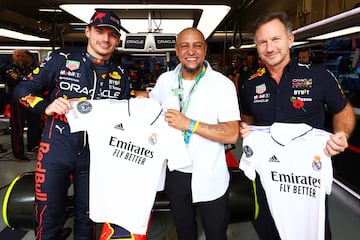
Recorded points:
(192, 123)
(197, 123)
(188, 133)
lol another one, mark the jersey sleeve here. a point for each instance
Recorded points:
(248, 157)
(327, 177)
(174, 148)
(80, 115)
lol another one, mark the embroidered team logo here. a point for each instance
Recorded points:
(304, 65)
(84, 107)
(301, 83)
(72, 65)
(260, 89)
(59, 128)
(259, 73)
(99, 17)
(30, 100)
(36, 71)
(248, 151)
(153, 139)
(115, 75)
(316, 164)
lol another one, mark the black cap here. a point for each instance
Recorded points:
(102, 18)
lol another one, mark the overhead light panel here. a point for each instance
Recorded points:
(141, 25)
(50, 10)
(31, 48)
(299, 43)
(339, 33)
(77, 23)
(210, 18)
(245, 46)
(149, 42)
(21, 36)
(351, 14)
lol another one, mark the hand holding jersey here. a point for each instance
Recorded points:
(336, 144)
(59, 105)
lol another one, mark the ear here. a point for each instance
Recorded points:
(87, 31)
(119, 40)
(291, 40)
(176, 50)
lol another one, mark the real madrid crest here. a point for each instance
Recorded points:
(316, 164)
(153, 139)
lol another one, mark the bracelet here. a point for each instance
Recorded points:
(197, 123)
(188, 133)
(192, 123)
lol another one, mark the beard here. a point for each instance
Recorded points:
(192, 70)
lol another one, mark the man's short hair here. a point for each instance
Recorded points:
(281, 16)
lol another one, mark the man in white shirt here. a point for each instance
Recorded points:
(203, 104)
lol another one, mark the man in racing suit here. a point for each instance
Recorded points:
(20, 116)
(70, 74)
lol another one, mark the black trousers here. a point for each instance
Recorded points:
(214, 214)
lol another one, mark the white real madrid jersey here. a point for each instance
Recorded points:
(129, 143)
(295, 173)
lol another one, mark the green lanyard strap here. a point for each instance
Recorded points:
(185, 104)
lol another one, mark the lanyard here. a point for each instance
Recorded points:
(185, 104)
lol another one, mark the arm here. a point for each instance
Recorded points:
(226, 132)
(11, 77)
(31, 93)
(343, 125)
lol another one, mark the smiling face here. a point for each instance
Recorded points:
(273, 43)
(102, 41)
(191, 51)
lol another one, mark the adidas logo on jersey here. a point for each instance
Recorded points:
(273, 159)
(119, 126)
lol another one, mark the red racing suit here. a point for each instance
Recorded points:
(71, 74)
